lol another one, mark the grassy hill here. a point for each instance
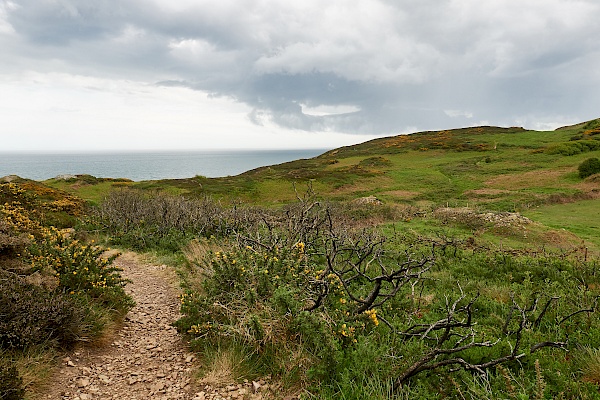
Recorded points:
(482, 168)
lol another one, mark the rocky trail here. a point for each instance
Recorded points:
(145, 358)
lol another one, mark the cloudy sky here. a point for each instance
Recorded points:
(199, 74)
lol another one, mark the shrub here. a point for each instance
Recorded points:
(375, 162)
(322, 307)
(11, 192)
(12, 245)
(589, 167)
(81, 268)
(257, 298)
(574, 147)
(157, 220)
(32, 315)
(11, 384)
(19, 218)
(28, 205)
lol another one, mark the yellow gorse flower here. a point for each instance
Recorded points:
(372, 314)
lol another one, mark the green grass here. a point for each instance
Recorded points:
(582, 218)
(91, 192)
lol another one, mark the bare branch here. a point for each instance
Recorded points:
(537, 346)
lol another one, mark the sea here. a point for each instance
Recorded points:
(142, 166)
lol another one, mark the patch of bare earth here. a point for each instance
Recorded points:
(145, 358)
(590, 186)
(561, 239)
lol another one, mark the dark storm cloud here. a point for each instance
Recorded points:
(401, 64)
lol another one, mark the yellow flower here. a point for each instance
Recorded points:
(372, 314)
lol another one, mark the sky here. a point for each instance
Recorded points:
(267, 74)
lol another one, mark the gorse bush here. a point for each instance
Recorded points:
(78, 279)
(12, 245)
(574, 147)
(80, 268)
(262, 299)
(38, 205)
(54, 289)
(324, 307)
(11, 192)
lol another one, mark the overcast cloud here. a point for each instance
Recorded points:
(266, 73)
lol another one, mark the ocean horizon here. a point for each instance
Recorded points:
(145, 165)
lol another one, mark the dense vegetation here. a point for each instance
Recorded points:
(450, 264)
(589, 167)
(55, 290)
(313, 295)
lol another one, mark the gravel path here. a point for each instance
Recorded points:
(146, 358)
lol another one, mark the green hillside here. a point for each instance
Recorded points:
(482, 168)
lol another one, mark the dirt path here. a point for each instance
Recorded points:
(146, 358)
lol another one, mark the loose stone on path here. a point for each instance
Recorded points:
(146, 359)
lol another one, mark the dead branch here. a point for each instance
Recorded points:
(452, 340)
(588, 310)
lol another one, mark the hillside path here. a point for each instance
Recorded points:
(145, 358)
